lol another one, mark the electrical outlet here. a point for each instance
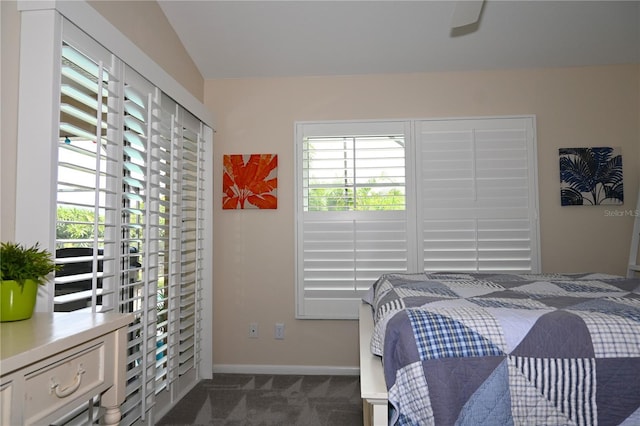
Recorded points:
(253, 330)
(279, 331)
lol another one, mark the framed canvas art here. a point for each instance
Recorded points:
(250, 181)
(591, 176)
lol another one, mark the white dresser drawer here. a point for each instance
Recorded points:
(52, 386)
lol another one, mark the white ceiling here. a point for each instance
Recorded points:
(236, 39)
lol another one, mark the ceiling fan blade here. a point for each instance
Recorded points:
(466, 12)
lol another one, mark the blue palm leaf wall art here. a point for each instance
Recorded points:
(591, 176)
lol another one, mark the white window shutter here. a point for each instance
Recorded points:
(88, 153)
(134, 178)
(343, 257)
(165, 243)
(99, 149)
(191, 240)
(478, 195)
(345, 244)
(182, 218)
(138, 245)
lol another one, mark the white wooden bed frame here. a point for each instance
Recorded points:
(373, 389)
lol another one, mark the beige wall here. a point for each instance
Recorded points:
(254, 250)
(144, 23)
(141, 21)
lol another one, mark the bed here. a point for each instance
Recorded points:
(501, 349)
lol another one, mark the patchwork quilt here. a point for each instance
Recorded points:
(507, 349)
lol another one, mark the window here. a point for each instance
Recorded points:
(409, 196)
(353, 208)
(121, 194)
(354, 173)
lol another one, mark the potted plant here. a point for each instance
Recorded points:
(22, 269)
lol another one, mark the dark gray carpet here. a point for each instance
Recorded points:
(270, 400)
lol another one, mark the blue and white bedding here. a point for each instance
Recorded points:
(506, 349)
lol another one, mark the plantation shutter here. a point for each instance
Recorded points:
(179, 304)
(477, 195)
(88, 157)
(167, 242)
(130, 175)
(346, 244)
(191, 239)
(139, 245)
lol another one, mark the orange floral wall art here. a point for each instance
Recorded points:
(250, 181)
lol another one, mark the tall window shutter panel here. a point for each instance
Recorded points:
(130, 191)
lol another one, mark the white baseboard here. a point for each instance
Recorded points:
(309, 370)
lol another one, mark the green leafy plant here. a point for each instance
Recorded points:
(20, 263)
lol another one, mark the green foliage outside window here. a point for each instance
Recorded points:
(77, 224)
(365, 199)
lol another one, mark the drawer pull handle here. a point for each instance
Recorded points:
(68, 390)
